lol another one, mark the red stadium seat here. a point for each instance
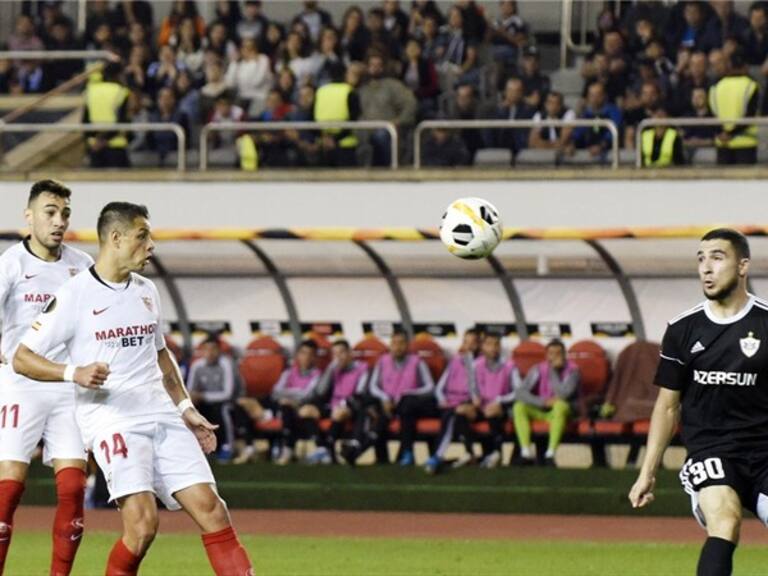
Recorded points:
(369, 350)
(263, 362)
(594, 368)
(527, 354)
(429, 351)
(323, 349)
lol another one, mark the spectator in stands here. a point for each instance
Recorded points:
(106, 102)
(496, 381)
(699, 136)
(180, 9)
(694, 77)
(286, 82)
(167, 110)
(272, 42)
(355, 37)
(305, 142)
(420, 75)
(756, 37)
(512, 107)
(535, 84)
(433, 40)
(126, 14)
(643, 35)
(735, 96)
(337, 101)
(610, 66)
(24, 36)
(315, 19)
(403, 386)
(664, 69)
(474, 21)
(251, 77)
(388, 99)
(466, 107)
(274, 148)
(229, 14)
(213, 385)
(294, 394)
(7, 77)
(650, 100)
(546, 394)
(661, 146)
(727, 23)
(696, 31)
(138, 36)
(443, 147)
(214, 87)
(163, 72)
(396, 21)
(189, 47)
(597, 140)
(297, 56)
(459, 62)
(553, 137)
(343, 381)
(454, 394)
(138, 112)
(61, 37)
(219, 42)
(253, 23)
(380, 39)
(420, 10)
(718, 66)
(327, 56)
(509, 34)
(188, 97)
(225, 111)
(136, 69)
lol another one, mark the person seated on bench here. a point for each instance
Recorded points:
(294, 394)
(496, 380)
(401, 385)
(343, 380)
(454, 394)
(546, 394)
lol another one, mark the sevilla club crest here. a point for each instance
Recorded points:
(749, 345)
(148, 303)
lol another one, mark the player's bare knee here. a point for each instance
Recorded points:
(724, 521)
(140, 533)
(212, 513)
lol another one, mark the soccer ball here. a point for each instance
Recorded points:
(471, 228)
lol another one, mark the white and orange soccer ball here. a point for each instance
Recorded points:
(471, 228)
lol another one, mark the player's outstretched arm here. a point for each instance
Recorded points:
(36, 367)
(666, 413)
(174, 386)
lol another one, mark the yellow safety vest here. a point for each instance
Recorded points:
(103, 100)
(728, 100)
(667, 152)
(248, 152)
(331, 104)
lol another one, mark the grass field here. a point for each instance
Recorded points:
(184, 555)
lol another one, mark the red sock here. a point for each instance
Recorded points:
(10, 494)
(226, 555)
(68, 523)
(122, 562)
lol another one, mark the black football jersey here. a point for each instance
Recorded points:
(720, 367)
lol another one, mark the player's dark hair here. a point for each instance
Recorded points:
(308, 343)
(492, 334)
(474, 331)
(50, 187)
(212, 339)
(399, 332)
(118, 213)
(556, 343)
(343, 343)
(736, 238)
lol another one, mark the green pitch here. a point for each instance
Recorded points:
(184, 555)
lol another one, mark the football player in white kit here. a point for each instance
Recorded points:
(30, 272)
(131, 404)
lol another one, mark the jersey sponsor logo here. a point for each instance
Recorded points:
(97, 312)
(749, 345)
(37, 298)
(698, 347)
(721, 378)
(126, 336)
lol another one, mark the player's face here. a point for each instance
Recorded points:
(305, 357)
(136, 245)
(556, 357)
(470, 343)
(211, 352)
(48, 219)
(399, 346)
(491, 348)
(720, 269)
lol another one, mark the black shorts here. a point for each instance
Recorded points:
(747, 474)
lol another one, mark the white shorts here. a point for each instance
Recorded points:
(159, 457)
(34, 412)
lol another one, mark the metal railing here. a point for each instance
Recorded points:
(281, 126)
(675, 122)
(512, 124)
(566, 38)
(59, 55)
(181, 138)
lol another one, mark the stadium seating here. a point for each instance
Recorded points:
(430, 351)
(260, 368)
(369, 350)
(527, 354)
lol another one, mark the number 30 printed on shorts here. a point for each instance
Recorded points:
(118, 448)
(709, 469)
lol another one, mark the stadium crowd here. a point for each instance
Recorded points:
(403, 64)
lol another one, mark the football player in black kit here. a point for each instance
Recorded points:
(713, 378)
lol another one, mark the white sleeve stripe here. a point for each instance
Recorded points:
(673, 359)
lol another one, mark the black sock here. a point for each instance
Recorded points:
(716, 558)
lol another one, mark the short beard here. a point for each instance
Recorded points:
(724, 293)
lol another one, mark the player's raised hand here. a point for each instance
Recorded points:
(92, 376)
(202, 429)
(641, 493)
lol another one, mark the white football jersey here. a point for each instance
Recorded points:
(119, 324)
(27, 283)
